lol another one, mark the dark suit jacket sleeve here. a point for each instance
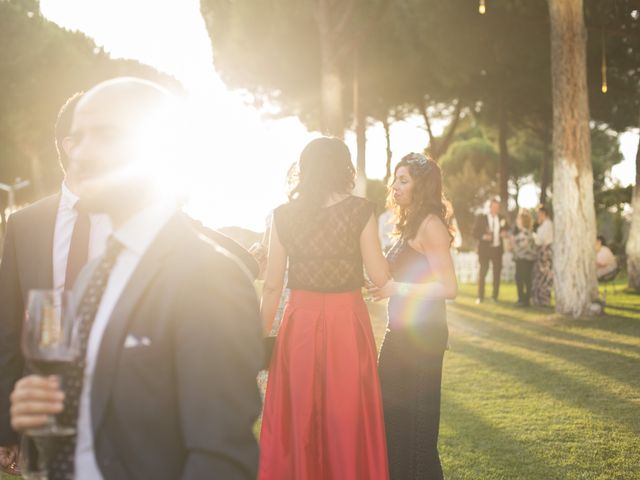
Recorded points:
(11, 312)
(229, 245)
(235, 249)
(480, 227)
(218, 353)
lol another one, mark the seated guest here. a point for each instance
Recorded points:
(605, 259)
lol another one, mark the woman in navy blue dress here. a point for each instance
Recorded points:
(411, 358)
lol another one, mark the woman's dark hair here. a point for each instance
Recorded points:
(603, 241)
(426, 198)
(544, 209)
(324, 168)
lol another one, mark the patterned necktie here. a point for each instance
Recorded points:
(494, 224)
(78, 247)
(61, 466)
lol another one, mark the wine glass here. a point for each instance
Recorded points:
(30, 460)
(50, 343)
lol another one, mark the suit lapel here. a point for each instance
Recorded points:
(114, 334)
(38, 271)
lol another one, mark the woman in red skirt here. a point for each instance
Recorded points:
(323, 415)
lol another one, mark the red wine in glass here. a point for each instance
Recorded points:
(50, 343)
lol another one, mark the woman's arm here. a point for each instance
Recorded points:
(433, 241)
(274, 280)
(374, 262)
(544, 234)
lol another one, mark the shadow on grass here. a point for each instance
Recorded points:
(617, 306)
(488, 452)
(561, 386)
(519, 319)
(609, 364)
(622, 313)
(618, 324)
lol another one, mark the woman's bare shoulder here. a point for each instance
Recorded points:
(433, 231)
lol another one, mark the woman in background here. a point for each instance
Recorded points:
(412, 353)
(323, 416)
(524, 253)
(606, 262)
(543, 267)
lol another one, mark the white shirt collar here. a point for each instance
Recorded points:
(68, 199)
(141, 229)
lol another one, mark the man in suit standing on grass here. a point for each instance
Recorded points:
(165, 386)
(489, 231)
(45, 246)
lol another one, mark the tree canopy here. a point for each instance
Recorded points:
(41, 65)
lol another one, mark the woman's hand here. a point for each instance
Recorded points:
(259, 252)
(380, 293)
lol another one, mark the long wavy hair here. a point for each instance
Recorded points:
(426, 197)
(324, 168)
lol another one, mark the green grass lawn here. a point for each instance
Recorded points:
(529, 395)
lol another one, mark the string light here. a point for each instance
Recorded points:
(604, 87)
(482, 8)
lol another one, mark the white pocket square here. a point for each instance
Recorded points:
(132, 341)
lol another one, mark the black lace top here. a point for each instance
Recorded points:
(324, 247)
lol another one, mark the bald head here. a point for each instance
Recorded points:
(119, 130)
(124, 97)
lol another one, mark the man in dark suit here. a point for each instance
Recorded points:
(45, 246)
(170, 330)
(249, 260)
(489, 231)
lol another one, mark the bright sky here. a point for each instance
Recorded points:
(238, 176)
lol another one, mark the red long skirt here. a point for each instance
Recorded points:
(323, 416)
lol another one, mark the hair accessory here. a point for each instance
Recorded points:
(419, 160)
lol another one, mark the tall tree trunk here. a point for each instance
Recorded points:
(443, 146)
(503, 134)
(361, 133)
(544, 168)
(387, 137)
(438, 147)
(574, 264)
(332, 119)
(328, 16)
(633, 242)
(338, 41)
(425, 115)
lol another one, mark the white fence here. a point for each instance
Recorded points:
(467, 267)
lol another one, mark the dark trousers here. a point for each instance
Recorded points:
(493, 255)
(410, 378)
(524, 277)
